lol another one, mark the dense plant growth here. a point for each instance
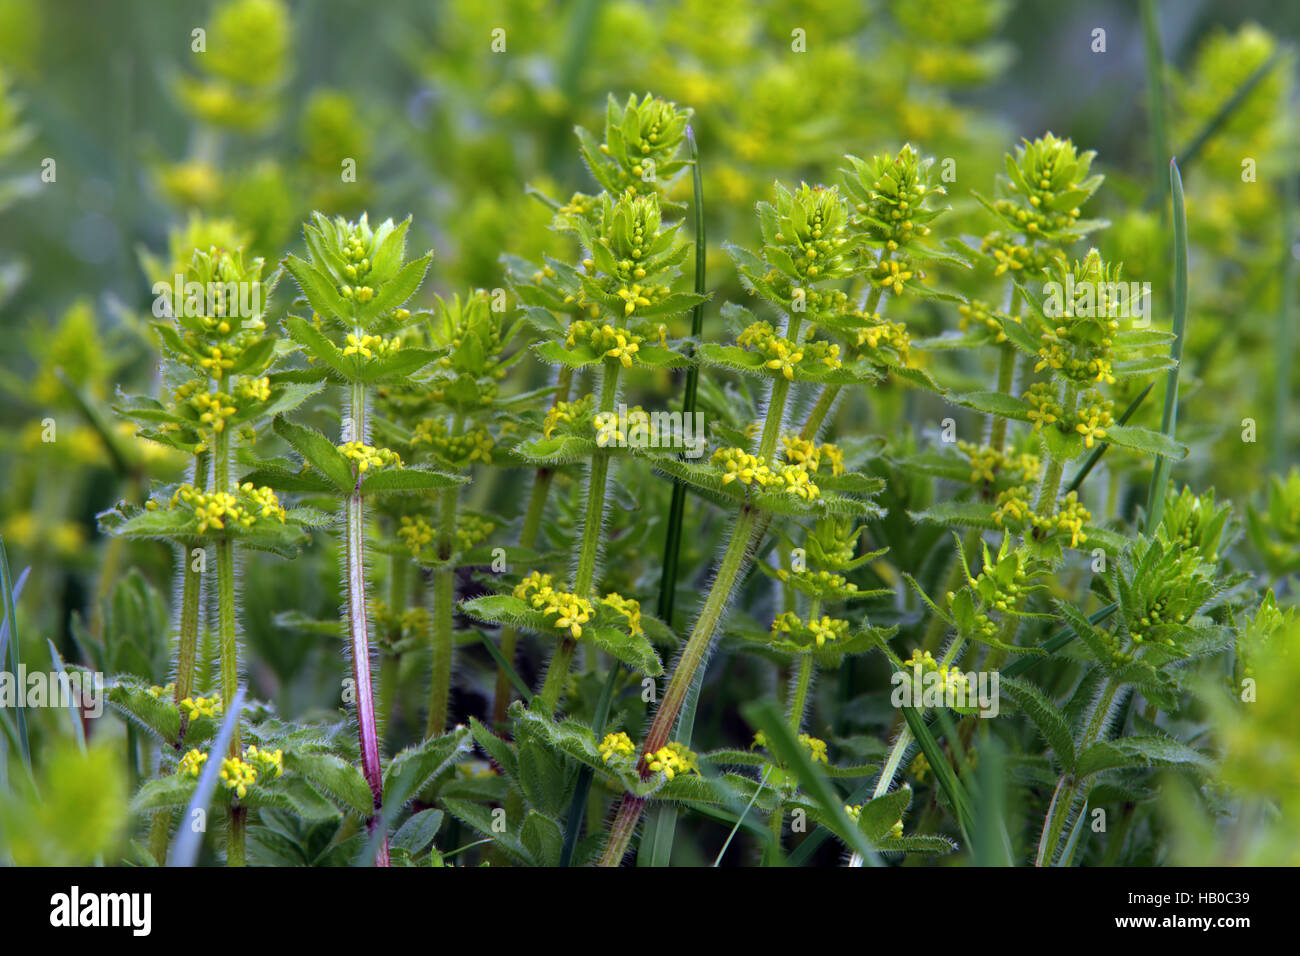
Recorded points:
(909, 518)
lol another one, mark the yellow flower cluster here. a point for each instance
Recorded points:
(630, 608)
(196, 707)
(217, 362)
(819, 630)
(238, 775)
(367, 456)
(570, 612)
(884, 334)
(976, 313)
(606, 425)
(267, 761)
(567, 413)
(217, 509)
(781, 354)
(214, 408)
(253, 389)
(1057, 353)
(368, 346)
(821, 581)
(954, 680)
(1016, 256)
(1070, 517)
(1044, 407)
(986, 463)
(415, 533)
(616, 747)
(470, 446)
(800, 451)
(1094, 417)
(816, 748)
(739, 465)
(191, 764)
(611, 342)
(472, 529)
(671, 760)
(892, 276)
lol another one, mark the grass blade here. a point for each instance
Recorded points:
(943, 772)
(507, 668)
(1155, 70)
(9, 594)
(741, 819)
(1221, 116)
(78, 731)
(185, 851)
(1160, 474)
(765, 716)
(579, 805)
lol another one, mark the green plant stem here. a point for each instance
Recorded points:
(528, 531)
(358, 626)
(588, 547)
(1050, 487)
(237, 837)
(1069, 789)
(187, 643)
(227, 637)
(1006, 377)
(697, 647)
(800, 683)
(444, 602)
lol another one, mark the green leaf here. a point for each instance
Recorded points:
(1146, 441)
(418, 831)
(415, 767)
(336, 778)
(319, 451)
(878, 816)
(393, 293)
(319, 347)
(316, 287)
(542, 838)
(402, 363)
(994, 403)
(1129, 752)
(414, 479)
(632, 649)
(557, 353)
(1051, 723)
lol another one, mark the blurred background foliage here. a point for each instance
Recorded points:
(157, 149)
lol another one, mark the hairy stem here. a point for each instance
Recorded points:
(358, 638)
(444, 603)
(588, 548)
(226, 635)
(1050, 487)
(187, 643)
